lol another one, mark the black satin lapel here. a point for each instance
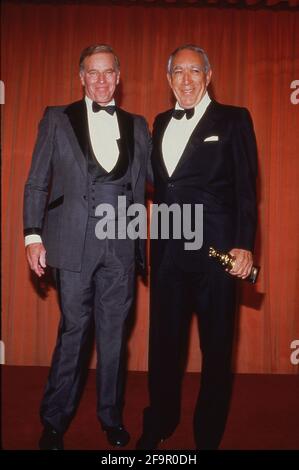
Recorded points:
(206, 122)
(77, 116)
(126, 141)
(158, 134)
(126, 131)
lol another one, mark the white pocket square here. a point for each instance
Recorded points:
(212, 138)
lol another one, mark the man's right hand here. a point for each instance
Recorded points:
(36, 256)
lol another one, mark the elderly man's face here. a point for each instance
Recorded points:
(188, 79)
(100, 77)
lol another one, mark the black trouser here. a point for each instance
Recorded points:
(213, 298)
(103, 291)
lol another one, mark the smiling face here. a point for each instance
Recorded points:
(100, 76)
(188, 79)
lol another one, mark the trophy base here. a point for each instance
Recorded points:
(253, 275)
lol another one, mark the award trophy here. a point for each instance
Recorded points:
(228, 261)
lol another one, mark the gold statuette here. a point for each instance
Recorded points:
(228, 261)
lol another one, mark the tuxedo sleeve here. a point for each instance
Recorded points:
(37, 184)
(245, 164)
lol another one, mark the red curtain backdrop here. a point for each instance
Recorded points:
(255, 58)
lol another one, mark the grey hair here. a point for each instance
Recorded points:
(190, 47)
(95, 49)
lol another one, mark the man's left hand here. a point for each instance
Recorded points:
(243, 262)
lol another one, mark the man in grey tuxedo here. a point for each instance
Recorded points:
(87, 153)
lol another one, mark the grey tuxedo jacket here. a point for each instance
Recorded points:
(55, 197)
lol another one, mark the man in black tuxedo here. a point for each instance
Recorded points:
(203, 153)
(87, 153)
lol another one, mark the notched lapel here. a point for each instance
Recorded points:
(159, 130)
(199, 133)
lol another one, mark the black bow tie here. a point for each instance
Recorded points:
(179, 113)
(97, 107)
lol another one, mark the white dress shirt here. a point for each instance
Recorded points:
(104, 133)
(178, 132)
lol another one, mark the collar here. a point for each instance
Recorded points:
(89, 102)
(200, 107)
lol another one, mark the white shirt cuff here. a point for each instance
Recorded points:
(32, 239)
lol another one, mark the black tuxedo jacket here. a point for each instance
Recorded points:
(55, 198)
(219, 173)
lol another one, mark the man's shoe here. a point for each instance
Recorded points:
(117, 435)
(148, 441)
(50, 439)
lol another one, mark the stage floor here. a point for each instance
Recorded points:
(264, 412)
